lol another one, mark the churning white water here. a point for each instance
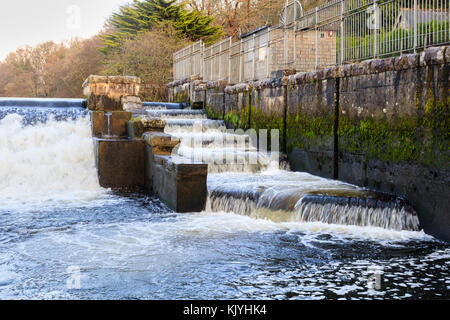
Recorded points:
(49, 163)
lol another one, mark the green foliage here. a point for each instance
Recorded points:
(306, 132)
(213, 114)
(142, 16)
(390, 43)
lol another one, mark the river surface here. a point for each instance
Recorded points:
(62, 236)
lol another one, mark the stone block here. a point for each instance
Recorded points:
(135, 129)
(120, 163)
(161, 143)
(105, 93)
(178, 182)
(153, 124)
(132, 104)
(110, 124)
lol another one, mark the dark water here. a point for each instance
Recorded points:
(134, 248)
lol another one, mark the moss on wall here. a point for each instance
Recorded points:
(422, 139)
(309, 132)
(212, 114)
(180, 97)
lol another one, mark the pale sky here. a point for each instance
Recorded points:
(29, 22)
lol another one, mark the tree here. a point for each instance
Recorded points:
(141, 16)
(49, 69)
(150, 57)
(240, 16)
(67, 69)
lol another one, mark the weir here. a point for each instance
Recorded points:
(193, 163)
(260, 189)
(35, 111)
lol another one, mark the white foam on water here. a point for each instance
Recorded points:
(49, 164)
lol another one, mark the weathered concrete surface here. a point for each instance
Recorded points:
(151, 124)
(135, 129)
(105, 93)
(181, 185)
(110, 124)
(178, 182)
(120, 163)
(381, 123)
(161, 143)
(132, 104)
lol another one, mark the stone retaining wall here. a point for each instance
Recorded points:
(382, 124)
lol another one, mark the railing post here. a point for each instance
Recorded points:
(268, 54)
(229, 59)
(375, 28)
(254, 56)
(317, 38)
(211, 63)
(294, 53)
(241, 57)
(342, 35)
(220, 60)
(201, 59)
(285, 35)
(415, 26)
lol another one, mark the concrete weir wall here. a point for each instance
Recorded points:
(133, 153)
(382, 124)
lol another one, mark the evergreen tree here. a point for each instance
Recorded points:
(141, 16)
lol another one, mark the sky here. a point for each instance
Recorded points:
(29, 22)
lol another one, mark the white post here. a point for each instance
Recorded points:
(285, 52)
(294, 56)
(415, 26)
(375, 32)
(342, 35)
(220, 60)
(317, 39)
(240, 61)
(268, 54)
(229, 59)
(201, 59)
(254, 56)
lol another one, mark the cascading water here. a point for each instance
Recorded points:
(255, 186)
(46, 153)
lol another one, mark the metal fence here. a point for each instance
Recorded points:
(337, 32)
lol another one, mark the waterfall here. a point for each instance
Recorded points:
(252, 184)
(46, 159)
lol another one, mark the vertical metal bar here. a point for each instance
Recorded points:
(254, 56)
(268, 57)
(240, 61)
(201, 59)
(219, 55)
(229, 59)
(415, 26)
(294, 56)
(317, 39)
(342, 35)
(375, 33)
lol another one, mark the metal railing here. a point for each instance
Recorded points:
(337, 32)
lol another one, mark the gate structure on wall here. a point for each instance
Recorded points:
(337, 32)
